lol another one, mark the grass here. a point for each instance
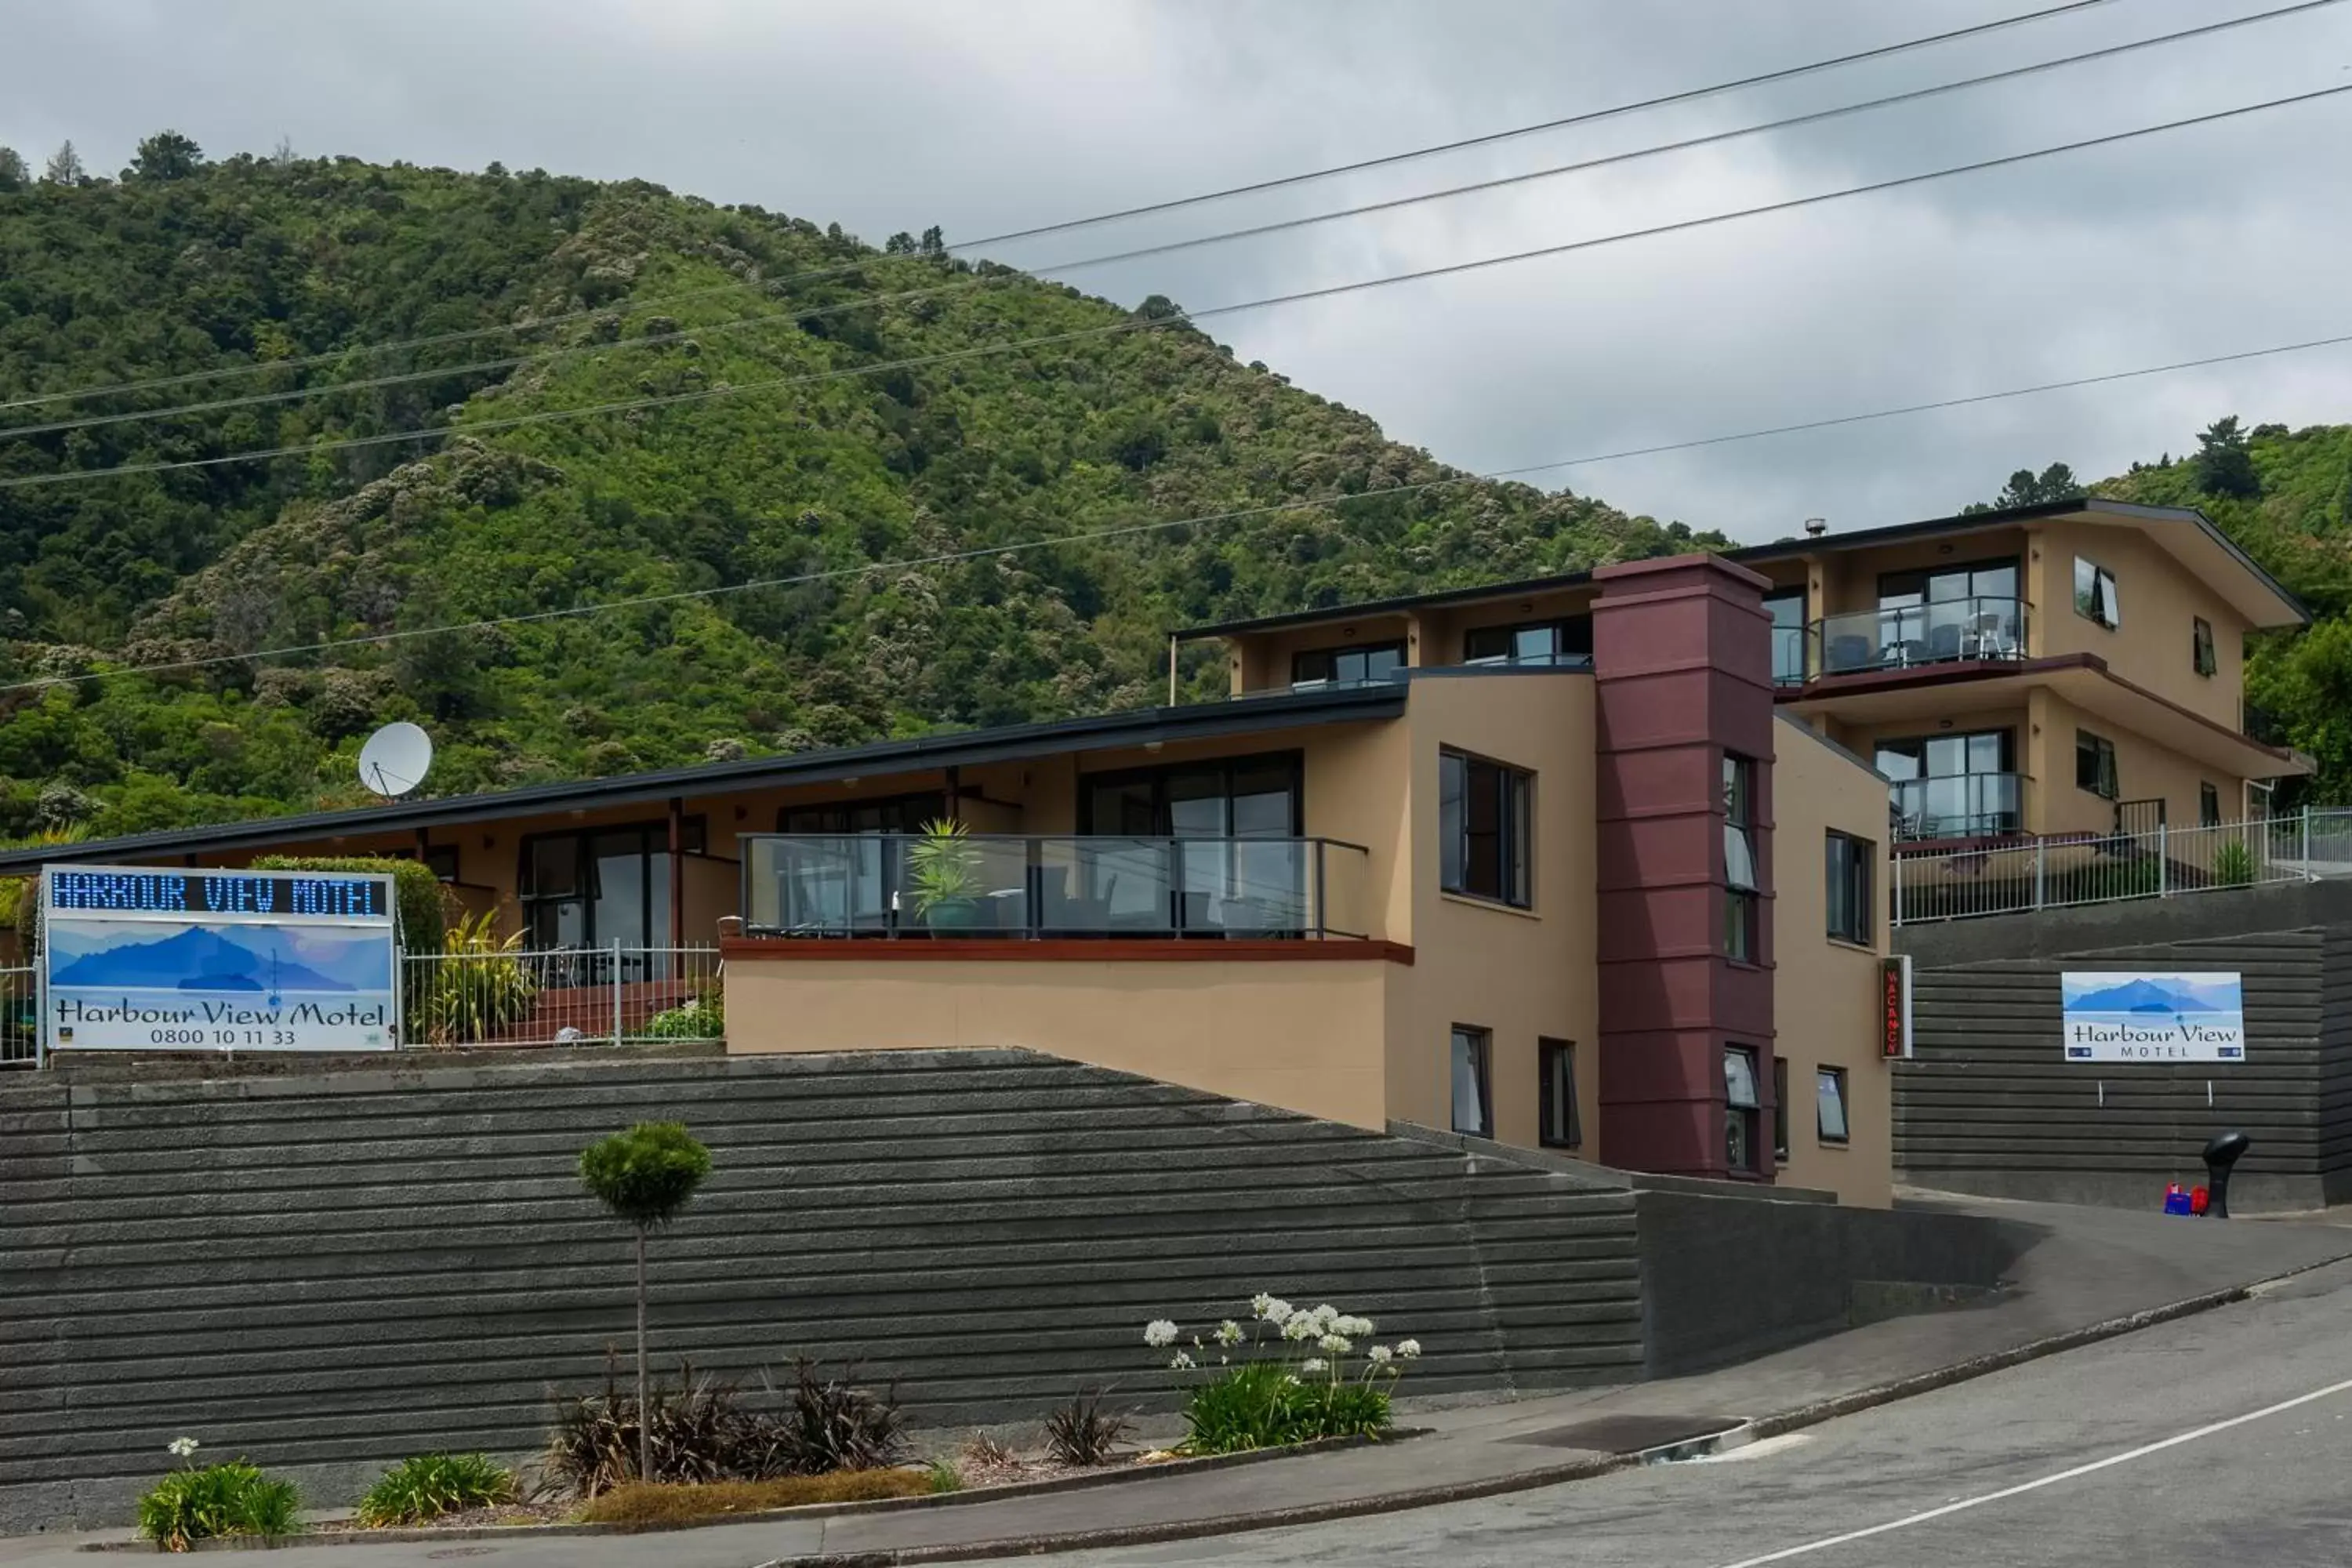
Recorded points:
(235, 1498)
(635, 1503)
(420, 1490)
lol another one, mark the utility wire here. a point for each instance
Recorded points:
(1333, 499)
(1589, 117)
(1130, 324)
(1171, 246)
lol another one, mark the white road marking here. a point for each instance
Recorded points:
(1762, 1449)
(1965, 1503)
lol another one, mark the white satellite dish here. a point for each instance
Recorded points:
(395, 759)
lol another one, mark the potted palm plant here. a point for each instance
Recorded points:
(943, 876)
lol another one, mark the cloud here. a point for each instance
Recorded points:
(896, 114)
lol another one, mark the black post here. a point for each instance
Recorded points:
(2220, 1154)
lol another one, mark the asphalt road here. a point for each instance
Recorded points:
(2215, 1442)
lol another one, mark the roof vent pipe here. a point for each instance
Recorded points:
(1816, 526)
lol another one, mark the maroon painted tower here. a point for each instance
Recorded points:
(1683, 671)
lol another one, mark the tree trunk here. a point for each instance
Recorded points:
(644, 1414)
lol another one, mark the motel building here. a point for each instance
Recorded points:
(1597, 863)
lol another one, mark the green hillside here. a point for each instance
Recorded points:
(185, 265)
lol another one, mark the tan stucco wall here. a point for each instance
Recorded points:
(2144, 771)
(1825, 992)
(2159, 599)
(1305, 1036)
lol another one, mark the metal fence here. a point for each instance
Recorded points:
(2066, 870)
(560, 996)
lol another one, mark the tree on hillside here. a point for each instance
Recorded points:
(2026, 487)
(934, 242)
(2225, 465)
(166, 155)
(899, 244)
(64, 167)
(14, 174)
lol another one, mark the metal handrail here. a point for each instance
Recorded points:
(1945, 631)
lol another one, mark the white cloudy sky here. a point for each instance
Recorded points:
(889, 114)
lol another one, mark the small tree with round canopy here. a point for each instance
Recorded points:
(645, 1176)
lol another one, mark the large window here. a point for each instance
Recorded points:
(1566, 641)
(1560, 1126)
(1829, 1094)
(2200, 647)
(1787, 608)
(1470, 1073)
(2094, 594)
(1346, 666)
(1743, 1108)
(2094, 764)
(1952, 611)
(591, 889)
(1235, 800)
(1853, 912)
(1739, 896)
(1485, 813)
(1954, 786)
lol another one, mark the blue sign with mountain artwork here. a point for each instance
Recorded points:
(2171, 1016)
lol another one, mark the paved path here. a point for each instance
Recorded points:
(2091, 1266)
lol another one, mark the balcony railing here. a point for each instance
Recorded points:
(1031, 888)
(1960, 805)
(1944, 632)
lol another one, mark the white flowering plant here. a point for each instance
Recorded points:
(1292, 1374)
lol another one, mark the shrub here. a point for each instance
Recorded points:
(697, 1434)
(199, 1503)
(704, 1018)
(1293, 1382)
(830, 1424)
(417, 892)
(478, 986)
(2233, 863)
(941, 1475)
(419, 1490)
(1081, 1433)
(645, 1176)
(637, 1503)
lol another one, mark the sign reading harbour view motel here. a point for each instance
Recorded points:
(2151, 1018)
(135, 959)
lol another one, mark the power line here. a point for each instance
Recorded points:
(1171, 247)
(1300, 503)
(484, 427)
(1589, 117)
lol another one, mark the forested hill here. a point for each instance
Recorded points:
(301, 266)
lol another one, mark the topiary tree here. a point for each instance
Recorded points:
(645, 1176)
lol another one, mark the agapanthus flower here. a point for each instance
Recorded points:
(1333, 1344)
(1408, 1349)
(1230, 1333)
(1160, 1333)
(1181, 1362)
(1314, 1364)
(1380, 1355)
(181, 1448)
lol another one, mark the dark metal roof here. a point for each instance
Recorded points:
(1779, 550)
(961, 749)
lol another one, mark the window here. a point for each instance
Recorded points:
(1742, 1109)
(441, 859)
(887, 814)
(1560, 1126)
(1787, 608)
(1779, 1109)
(1346, 666)
(1954, 786)
(2094, 764)
(1474, 1102)
(1829, 1090)
(2209, 807)
(1566, 641)
(2095, 595)
(1483, 828)
(593, 887)
(1853, 916)
(2200, 647)
(1738, 858)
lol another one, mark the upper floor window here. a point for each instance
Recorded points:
(2209, 806)
(1787, 608)
(1566, 640)
(2094, 594)
(1484, 828)
(1853, 916)
(2094, 764)
(2200, 647)
(1346, 666)
(1738, 858)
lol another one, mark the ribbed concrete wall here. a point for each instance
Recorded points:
(1989, 1104)
(329, 1271)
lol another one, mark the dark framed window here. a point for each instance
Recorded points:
(885, 814)
(1739, 896)
(441, 859)
(1779, 1109)
(1993, 579)
(1560, 1125)
(1485, 824)
(1567, 639)
(2094, 764)
(2200, 647)
(1829, 1094)
(1743, 1110)
(1847, 870)
(590, 887)
(1347, 664)
(1471, 1074)
(2094, 594)
(2209, 806)
(1256, 796)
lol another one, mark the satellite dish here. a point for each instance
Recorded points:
(395, 758)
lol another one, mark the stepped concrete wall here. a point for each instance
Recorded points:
(327, 1269)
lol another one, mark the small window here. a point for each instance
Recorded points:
(1346, 666)
(2209, 807)
(2094, 764)
(1739, 877)
(441, 859)
(1853, 914)
(1561, 1127)
(1781, 1109)
(1473, 1101)
(2200, 647)
(1742, 1107)
(2094, 594)
(1484, 827)
(1829, 1089)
